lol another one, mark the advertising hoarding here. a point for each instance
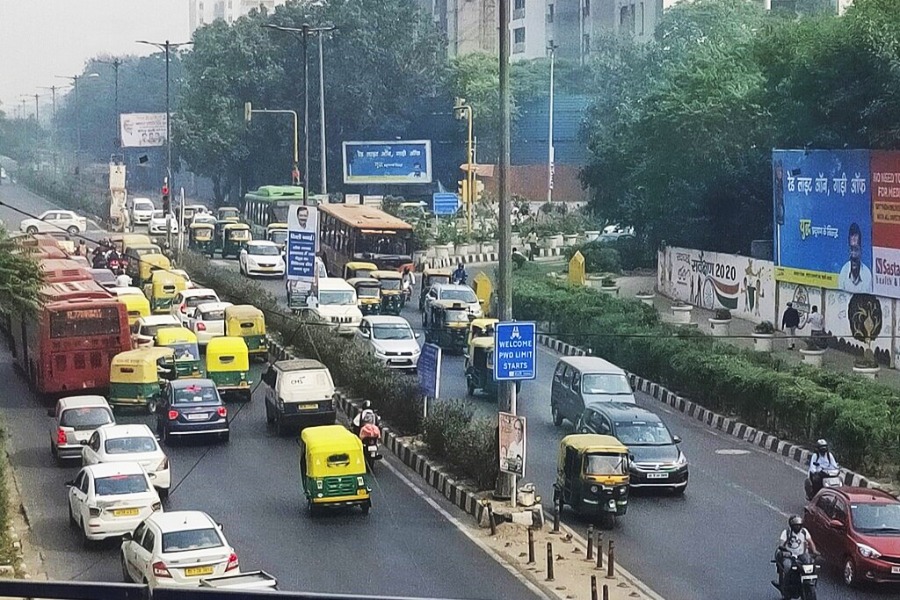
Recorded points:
(142, 130)
(302, 243)
(398, 162)
(823, 217)
(886, 223)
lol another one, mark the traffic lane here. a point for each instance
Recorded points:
(20, 198)
(252, 486)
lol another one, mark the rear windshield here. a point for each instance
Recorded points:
(194, 539)
(467, 296)
(196, 394)
(85, 418)
(605, 383)
(213, 315)
(195, 301)
(390, 284)
(120, 484)
(456, 316)
(367, 292)
(130, 445)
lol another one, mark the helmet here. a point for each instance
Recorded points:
(822, 445)
(795, 523)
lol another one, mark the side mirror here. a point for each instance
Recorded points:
(220, 526)
(83, 442)
(418, 335)
(676, 439)
(835, 524)
(51, 412)
(126, 537)
(70, 483)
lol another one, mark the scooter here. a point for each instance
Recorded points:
(370, 435)
(800, 582)
(831, 478)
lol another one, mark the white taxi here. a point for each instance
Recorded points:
(130, 443)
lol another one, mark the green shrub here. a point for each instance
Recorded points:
(765, 327)
(722, 314)
(451, 431)
(626, 253)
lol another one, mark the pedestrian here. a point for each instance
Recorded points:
(817, 327)
(790, 320)
(81, 249)
(531, 240)
(518, 258)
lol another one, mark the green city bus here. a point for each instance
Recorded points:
(269, 205)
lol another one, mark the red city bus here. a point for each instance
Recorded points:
(57, 270)
(69, 346)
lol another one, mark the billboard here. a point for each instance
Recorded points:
(823, 218)
(142, 130)
(398, 162)
(512, 444)
(886, 223)
(302, 243)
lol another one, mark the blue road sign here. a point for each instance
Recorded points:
(429, 367)
(445, 203)
(515, 345)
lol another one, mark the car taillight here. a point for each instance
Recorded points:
(173, 414)
(160, 569)
(223, 412)
(183, 307)
(201, 327)
(232, 562)
(61, 437)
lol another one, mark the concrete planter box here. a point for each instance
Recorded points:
(612, 290)
(570, 239)
(720, 327)
(419, 257)
(465, 249)
(590, 236)
(443, 250)
(552, 241)
(762, 342)
(811, 357)
(867, 372)
(682, 314)
(487, 247)
(646, 298)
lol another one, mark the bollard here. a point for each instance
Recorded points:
(605, 592)
(590, 543)
(549, 561)
(530, 546)
(611, 561)
(594, 587)
(556, 514)
(599, 550)
(490, 511)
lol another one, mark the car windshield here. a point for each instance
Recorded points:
(90, 417)
(643, 433)
(263, 250)
(467, 296)
(367, 291)
(604, 464)
(340, 298)
(392, 331)
(601, 383)
(194, 539)
(143, 206)
(118, 485)
(158, 214)
(196, 394)
(130, 445)
(185, 351)
(876, 518)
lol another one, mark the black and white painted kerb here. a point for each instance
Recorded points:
(484, 257)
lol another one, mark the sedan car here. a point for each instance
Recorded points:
(55, 221)
(75, 419)
(857, 530)
(391, 340)
(158, 223)
(176, 549)
(208, 321)
(261, 258)
(191, 407)
(187, 300)
(130, 443)
(110, 500)
(144, 330)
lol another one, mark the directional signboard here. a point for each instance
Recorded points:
(429, 367)
(516, 351)
(445, 203)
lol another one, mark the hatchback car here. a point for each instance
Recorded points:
(176, 549)
(187, 300)
(455, 292)
(145, 328)
(141, 211)
(75, 419)
(110, 500)
(391, 340)
(857, 530)
(130, 443)
(55, 221)
(656, 461)
(262, 259)
(192, 407)
(160, 223)
(208, 321)
(104, 277)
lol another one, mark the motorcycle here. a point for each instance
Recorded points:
(370, 435)
(831, 478)
(800, 581)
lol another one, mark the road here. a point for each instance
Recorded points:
(404, 547)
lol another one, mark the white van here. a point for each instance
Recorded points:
(336, 304)
(299, 392)
(579, 381)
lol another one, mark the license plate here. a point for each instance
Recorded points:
(373, 448)
(808, 577)
(197, 571)
(895, 570)
(197, 416)
(126, 512)
(309, 406)
(657, 475)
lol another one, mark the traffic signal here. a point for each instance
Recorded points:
(464, 191)
(479, 190)
(167, 205)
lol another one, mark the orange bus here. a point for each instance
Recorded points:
(56, 270)
(70, 343)
(356, 232)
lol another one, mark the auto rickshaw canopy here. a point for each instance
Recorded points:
(175, 336)
(237, 231)
(141, 365)
(228, 213)
(331, 451)
(359, 269)
(365, 283)
(136, 305)
(151, 263)
(612, 471)
(244, 319)
(227, 353)
(482, 327)
(432, 273)
(202, 231)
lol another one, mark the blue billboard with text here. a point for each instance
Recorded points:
(397, 162)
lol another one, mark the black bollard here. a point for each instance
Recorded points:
(556, 514)
(593, 587)
(605, 592)
(599, 550)
(590, 543)
(611, 561)
(490, 512)
(549, 561)
(530, 546)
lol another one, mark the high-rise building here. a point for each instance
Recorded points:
(202, 12)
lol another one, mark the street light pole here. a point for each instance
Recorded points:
(551, 151)
(322, 157)
(53, 133)
(74, 79)
(116, 63)
(249, 110)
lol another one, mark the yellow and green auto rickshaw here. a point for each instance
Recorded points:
(430, 276)
(358, 270)
(201, 238)
(228, 213)
(228, 365)
(447, 324)
(391, 291)
(249, 323)
(136, 305)
(134, 256)
(592, 476)
(148, 264)
(368, 295)
(234, 236)
(161, 289)
(333, 469)
(136, 377)
(187, 351)
(277, 233)
(122, 241)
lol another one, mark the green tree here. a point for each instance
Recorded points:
(20, 278)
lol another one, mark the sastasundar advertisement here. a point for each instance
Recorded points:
(823, 218)
(886, 223)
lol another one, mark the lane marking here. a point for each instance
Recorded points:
(732, 452)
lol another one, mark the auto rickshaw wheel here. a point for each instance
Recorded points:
(151, 407)
(470, 387)
(367, 507)
(557, 417)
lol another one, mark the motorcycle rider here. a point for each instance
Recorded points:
(820, 463)
(408, 281)
(460, 275)
(366, 415)
(794, 541)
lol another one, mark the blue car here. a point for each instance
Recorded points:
(192, 407)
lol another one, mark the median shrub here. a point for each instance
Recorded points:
(623, 254)
(451, 429)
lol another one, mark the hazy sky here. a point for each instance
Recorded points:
(43, 38)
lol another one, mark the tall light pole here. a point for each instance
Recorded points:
(53, 135)
(116, 63)
(322, 160)
(551, 151)
(248, 116)
(466, 110)
(74, 79)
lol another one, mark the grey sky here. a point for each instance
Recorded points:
(43, 38)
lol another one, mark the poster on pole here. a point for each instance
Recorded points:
(302, 244)
(142, 130)
(398, 162)
(512, 444)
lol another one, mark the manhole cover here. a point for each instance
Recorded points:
(732, 451)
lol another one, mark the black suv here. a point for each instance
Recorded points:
(191, 407)
(656, 460)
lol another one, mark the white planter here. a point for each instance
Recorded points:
(646, 298)
(486, 247)
(612, 290)
(867, 372)
(590, 236)
(443, 250)
(552, 241)
(682, 314)
(570, 239)
(812, 357)
(419, 257)
(762, 342)
(720, 327)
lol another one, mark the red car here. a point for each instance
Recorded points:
(858, 530)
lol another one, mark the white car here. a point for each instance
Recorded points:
(130, 443)
(110, 500)
(184, 275)
(187, 300)
(336, 304)
(177, 549)
(455, 292)
(391, 340)
(55, 221)
(261, 258)
(208, 321)
(141, 211)
(75, 418)
(158, 222)
(145, 328)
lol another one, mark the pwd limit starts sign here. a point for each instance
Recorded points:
(515, 348)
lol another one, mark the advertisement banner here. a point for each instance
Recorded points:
(823, 216)
(398, 162)
(302, 243)
(142, 130)
(886, 223)
(512, 444)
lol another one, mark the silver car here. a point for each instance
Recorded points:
(75, 419)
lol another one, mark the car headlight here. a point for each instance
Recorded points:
(380, 353)
(867, 551)
(593, 489)
(682, 459)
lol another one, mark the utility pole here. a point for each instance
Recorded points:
(74, 79)
(551, 151)
(322, 158)
(53, 133)
(116, 63)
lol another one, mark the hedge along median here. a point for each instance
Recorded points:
(466, 445)
(861, 418)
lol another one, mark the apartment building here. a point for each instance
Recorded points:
(201, 12)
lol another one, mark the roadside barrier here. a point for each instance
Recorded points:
(549, 561)
(611, 561)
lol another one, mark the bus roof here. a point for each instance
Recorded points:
(58, 270)
(364, 217)
(74, 290)
(293, 192)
